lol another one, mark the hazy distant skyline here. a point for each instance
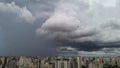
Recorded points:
(39, 27)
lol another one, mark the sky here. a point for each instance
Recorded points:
(19, 20)
(44, 27)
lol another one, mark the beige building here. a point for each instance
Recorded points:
(46, 65)
(92, 65)
(64, 63)
(79, 59)
(25, 62)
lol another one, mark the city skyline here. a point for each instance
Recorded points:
(59, 62)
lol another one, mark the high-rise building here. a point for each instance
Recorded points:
(58, 63)
(66, 63)
(46, 65)
(79, 59)
(25, 62)
(20, 63)
(1, 61)
(12, 62)
(62, 63)
(118, 61)
(92, 65)
(74, 63)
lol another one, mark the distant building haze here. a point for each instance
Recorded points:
(59, 62)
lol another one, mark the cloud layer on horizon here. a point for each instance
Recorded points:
(104, 52)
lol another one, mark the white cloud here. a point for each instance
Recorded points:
(67, 49)
(104, 52)
(22, 13)
(82, 21)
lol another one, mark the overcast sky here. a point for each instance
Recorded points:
(19, 20)
(39, 27)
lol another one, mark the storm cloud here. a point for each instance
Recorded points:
(95, 21)
(21, 13)
(18, 21)
(85, 26)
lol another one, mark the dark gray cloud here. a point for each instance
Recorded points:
(84, 21)
(18, 23)
(68, 23)
(88, 25)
